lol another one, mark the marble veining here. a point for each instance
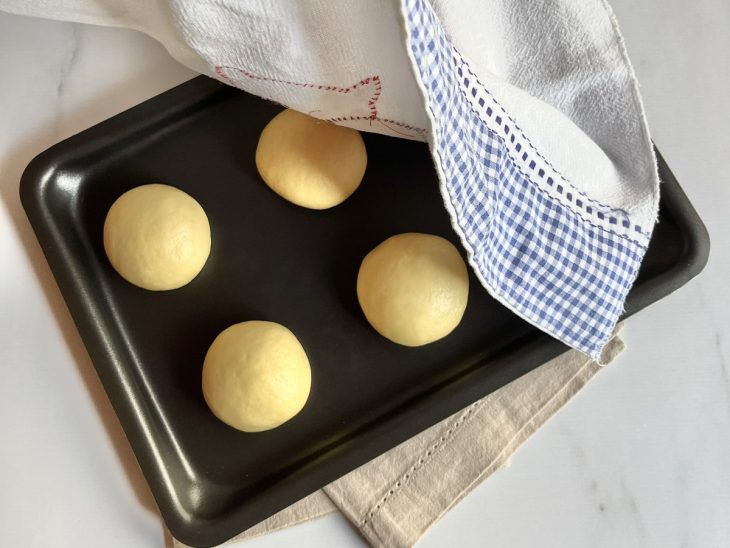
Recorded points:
(717, 333)
(68, 62)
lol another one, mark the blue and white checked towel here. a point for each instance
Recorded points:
(556, 254)
(530, 107)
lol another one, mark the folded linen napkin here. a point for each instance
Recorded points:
(531, 110)
(395, 498)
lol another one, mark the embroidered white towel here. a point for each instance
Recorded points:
(530, 107)
(395, 498)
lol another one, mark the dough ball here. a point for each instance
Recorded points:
(413, 288)
(256, 376)
(157, 237)
(310, 162)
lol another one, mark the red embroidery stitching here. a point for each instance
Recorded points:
(364, 82)
(372, 102)
(385, 121)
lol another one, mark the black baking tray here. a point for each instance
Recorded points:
(272, 260)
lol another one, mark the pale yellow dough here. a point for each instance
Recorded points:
(256, 376)
(157, 237)
(413, 288)
(310, 162)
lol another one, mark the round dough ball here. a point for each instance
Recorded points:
(310, 162)
(157, 237)
(256, 376)
(413, 288)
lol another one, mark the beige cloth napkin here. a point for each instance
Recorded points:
(395, 498)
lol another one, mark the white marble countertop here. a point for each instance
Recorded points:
(640, 458)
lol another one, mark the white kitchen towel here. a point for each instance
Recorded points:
(395, 498)
(530, 107)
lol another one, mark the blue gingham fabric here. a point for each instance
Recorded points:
(553, 255)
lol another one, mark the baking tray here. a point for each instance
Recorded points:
(272, 260)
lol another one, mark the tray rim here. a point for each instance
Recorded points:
(373, 439)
